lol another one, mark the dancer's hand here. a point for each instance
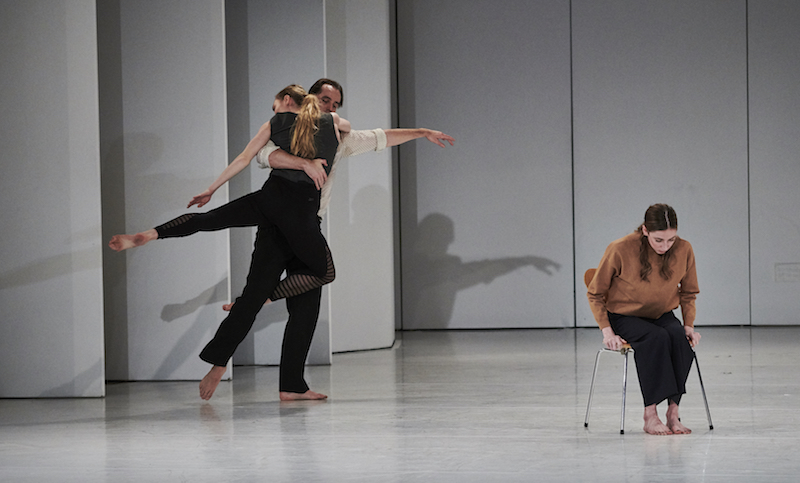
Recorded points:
(437, 137)
(611, 340)
(691, 335)
(315, 169)
(201, 199)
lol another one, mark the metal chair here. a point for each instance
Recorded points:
(625, 350)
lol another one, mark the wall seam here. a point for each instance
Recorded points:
(747, 127)
(572, 172)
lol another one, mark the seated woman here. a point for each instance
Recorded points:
(641, 279)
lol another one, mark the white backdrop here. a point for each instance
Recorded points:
(774, 59)
(51, 292)
(486, 227)
(660, 116)
(173, 138)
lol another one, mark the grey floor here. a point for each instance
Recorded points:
(476, 406)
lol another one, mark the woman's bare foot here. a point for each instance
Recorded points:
(652, 424)
(674, 420)
(302, 396)
(228, 307)
(123, 242)
(210, 382)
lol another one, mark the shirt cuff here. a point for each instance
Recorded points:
(380, 134)
(263, 155)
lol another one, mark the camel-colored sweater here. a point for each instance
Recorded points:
(618, 288)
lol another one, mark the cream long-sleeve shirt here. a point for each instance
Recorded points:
(353, 143)
(617, 287)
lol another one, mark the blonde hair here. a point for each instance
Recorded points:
(296, 92)
(305, 127)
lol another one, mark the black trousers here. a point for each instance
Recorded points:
(288, 237)
(268, 261)
(270, 257)
(303, 316)
(662, 353)
(290, 206)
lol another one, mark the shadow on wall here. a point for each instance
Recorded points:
(186, 346)
(51, 267)
(212, 300)
(81, 385)
(433, 277)
(218, 294)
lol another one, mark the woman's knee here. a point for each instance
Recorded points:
(676, 332)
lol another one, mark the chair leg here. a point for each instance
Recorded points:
(591, 389)
(624, 387)
(703, 390)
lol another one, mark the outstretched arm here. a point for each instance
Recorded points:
(396, 137)
(354, 143)
(237, 165)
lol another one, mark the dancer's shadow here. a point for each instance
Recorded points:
(186, 345)
(211, 299)
(432, 277)
(218, 294)
(51, 267)
(87, 381)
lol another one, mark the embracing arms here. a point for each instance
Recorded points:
(237, 165)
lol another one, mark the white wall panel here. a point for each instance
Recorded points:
(51, 327)
(285, 46)
(360, 222)
(486, 226)
(774, 47)
(660, 116)
(173, 147)
(348, 41)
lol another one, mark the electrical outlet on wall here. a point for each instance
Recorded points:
(787, 272)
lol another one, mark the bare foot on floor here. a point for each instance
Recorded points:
(652, 423)
(228, 307)
(674, 421)
(123, 242)
(678, 428)
(210, 382)
(657, 427)
(302, 396)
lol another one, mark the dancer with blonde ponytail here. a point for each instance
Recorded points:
(285, 211)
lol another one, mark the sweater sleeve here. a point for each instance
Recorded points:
(688, 290)
(598, 288)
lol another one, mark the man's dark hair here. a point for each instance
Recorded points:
(317, 88)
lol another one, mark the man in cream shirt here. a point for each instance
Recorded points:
(304, 308)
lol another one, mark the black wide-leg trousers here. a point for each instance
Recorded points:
(662, 353)
(290, 206)
(303, 315)
(288, 237)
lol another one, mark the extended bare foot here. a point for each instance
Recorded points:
(210, 382)
(123, 242)
(228, 307)
(674, 420)
(652, 423)
(302, 396)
